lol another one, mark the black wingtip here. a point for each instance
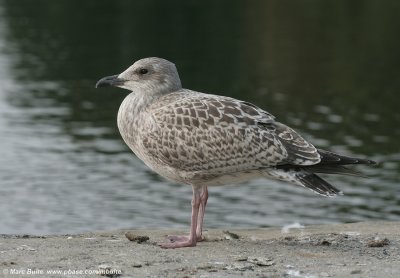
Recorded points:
(331, 158)
(372, 162)
(364, 161)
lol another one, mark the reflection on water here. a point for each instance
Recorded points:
(329, 69)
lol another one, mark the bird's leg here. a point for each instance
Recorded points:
(200, 219)
(184, 241)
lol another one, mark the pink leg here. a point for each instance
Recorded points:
(203, 203)
(182, 241)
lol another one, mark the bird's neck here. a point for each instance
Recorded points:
(131, 113)
(137, 102)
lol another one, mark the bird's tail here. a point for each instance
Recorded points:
(316, 184)
(306, 179)
(331, 163)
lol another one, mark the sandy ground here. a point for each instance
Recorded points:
(369, 249)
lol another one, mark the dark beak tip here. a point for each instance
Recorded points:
(107, 81)
(100, 84)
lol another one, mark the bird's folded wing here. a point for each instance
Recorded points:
(201, 132)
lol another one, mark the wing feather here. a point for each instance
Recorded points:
(201, 132)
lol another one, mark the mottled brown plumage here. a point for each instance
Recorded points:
(203, 139)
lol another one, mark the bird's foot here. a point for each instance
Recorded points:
(174, 238)
(178, 242)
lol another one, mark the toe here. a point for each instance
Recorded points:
(172, 245)
(174, 238)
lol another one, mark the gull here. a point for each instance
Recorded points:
(204, 139)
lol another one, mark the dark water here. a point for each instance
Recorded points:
(330, 69)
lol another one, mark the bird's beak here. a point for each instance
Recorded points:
(110, 81)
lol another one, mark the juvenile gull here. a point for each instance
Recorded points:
(202, 139)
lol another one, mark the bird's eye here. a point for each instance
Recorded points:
(143, 71)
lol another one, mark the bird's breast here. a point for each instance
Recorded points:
(134, 124)
(130, 119)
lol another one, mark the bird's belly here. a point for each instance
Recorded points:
(152, 161)
(182, 176)
(161, 168)
(204, 178)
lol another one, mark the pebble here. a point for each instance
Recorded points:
(261, 261)
(230, 235)
(378, 242)
(25, 248)
(138, 238)
(240, 266)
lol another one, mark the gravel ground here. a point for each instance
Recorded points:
(369, 249)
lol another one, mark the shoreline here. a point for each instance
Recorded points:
(365, 249)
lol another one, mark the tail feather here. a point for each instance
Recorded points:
(317, 184)
(305, 175)
(304, 178)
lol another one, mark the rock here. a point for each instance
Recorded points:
(261, 261)
(378, 242)
(229, 235)
(138, 238)
(241, 258)
(26, 248)
(240, 266)
(324, 242)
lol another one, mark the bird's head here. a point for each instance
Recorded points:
(153, 75)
